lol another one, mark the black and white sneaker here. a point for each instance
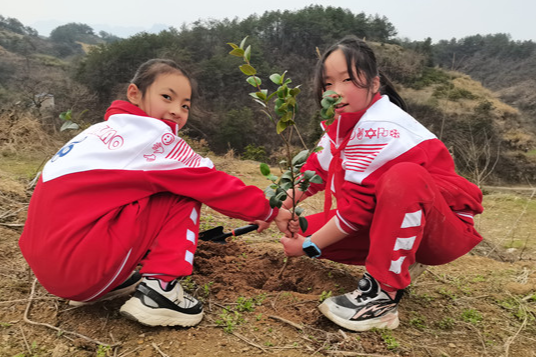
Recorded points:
(125, 288)
(365, 308)
(153, 306)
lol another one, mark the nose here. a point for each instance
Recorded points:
(337, 90)
(178, 111)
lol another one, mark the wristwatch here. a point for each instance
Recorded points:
(310, 248)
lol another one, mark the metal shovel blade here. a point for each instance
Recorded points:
(218, 236)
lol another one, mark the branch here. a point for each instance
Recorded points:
(60, 331)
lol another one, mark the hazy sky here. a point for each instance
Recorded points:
(414, 19)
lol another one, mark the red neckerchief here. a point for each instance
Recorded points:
(345, 124)
(124, 107)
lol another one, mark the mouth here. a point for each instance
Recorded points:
(340, 106)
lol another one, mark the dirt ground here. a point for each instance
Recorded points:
(480, 305)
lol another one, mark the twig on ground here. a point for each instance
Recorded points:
(61, 331)
(360, 354)
(511, 339)
(246, 340)
(26, 300)
(283, 268)
(479, 335)
(159, 350)
(25, 340)
(129, 352)
(12, 224)
(293, 324)
(275, 299)
(343, 334)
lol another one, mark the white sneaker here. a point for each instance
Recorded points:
(365, 308)
(153, 306)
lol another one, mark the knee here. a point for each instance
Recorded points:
(403, 179)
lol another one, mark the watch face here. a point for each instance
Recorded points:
(311, 251)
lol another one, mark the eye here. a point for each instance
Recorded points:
(347, 80)
(165, 96)
(327, 84)
(186, 106)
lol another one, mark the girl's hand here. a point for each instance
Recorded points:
(262, 225)
(294, 225)
(282, 221)
(293, 245)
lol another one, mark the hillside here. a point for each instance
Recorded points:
(489, 127)
(505, 66)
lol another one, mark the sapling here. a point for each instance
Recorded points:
(283, 103)
(72, 123)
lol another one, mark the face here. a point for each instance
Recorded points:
(338, 79)
(168, 97)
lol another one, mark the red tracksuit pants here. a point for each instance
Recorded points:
(411, 223)
(160, 233)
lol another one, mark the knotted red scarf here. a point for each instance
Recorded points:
(342, 128)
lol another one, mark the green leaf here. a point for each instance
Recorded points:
(300, 158)
(281, 196)
(287, 175)
(254, 81)
(247, 53)
(232, 45)
(265, 169)
(269, 192)
(281, 125)
(327, 113)
(329, 93)
(318, 148)
(287, 185)
(69, 125)
(308, 174)
(295, 91)
(243, 43)
(316, 179)
(271, 96)
(262, 94)
(66, 115)
(287, 118)
(288, 81)
(303, 224)
(247, 69)
(304, 186)
(291, 101)
(238, 52)
(274, 202)
(272, 178)
(261, 103)
(327, 102)
(276, 78)
(298, 210)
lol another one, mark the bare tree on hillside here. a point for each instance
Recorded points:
(479, 154)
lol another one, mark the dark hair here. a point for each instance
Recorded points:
(148, 71)
(360, 59)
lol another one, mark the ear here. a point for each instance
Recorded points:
(376, 84)
(134, 95)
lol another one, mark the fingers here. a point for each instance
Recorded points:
(262, 225)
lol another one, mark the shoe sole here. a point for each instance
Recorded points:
(135, 310)
(389, 321)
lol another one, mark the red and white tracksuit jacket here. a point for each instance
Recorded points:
(118, 189)
(398, 195)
